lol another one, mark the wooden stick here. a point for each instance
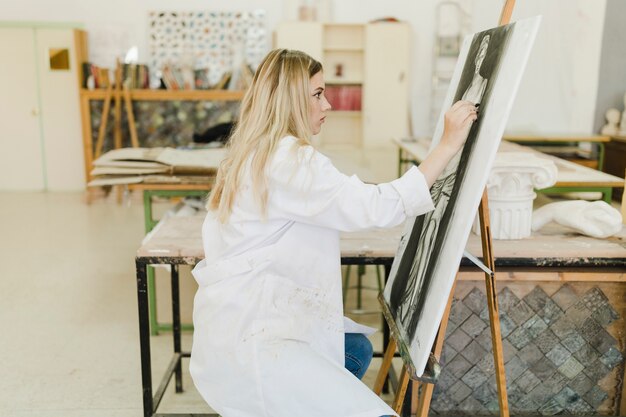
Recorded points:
(103, 122)
(423, 404)
(131, 117)
(403, 383)
(383, 371)
(507, 12)
(117, 131)
(492, 303)
(87, 141)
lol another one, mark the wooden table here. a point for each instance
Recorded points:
(552, 254)
(571, 177)
(559, 144)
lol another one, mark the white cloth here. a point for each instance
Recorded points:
(269, 327)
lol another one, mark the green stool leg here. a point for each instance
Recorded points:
(152, 313)
(359, 283)
(346, 282)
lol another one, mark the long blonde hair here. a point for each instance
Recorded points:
(276, 105)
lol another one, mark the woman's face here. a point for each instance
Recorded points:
(318, 103)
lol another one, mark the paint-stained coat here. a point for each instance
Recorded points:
(269, 326)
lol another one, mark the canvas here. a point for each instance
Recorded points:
(488, 72)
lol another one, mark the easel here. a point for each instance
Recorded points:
(122, 92)
(431, 374)
(117, 90)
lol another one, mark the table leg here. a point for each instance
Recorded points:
(144, 338)
(386, 332)
(149, 224)
(176, 325)
(600, 156)
(154, 321)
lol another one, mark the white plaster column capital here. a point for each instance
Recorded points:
(510, 186)
(517, 174)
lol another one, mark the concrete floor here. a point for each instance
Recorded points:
(68, 306)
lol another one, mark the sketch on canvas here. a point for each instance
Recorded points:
(488, 73)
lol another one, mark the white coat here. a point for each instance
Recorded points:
(268, 314)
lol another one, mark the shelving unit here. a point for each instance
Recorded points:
(158, 95)
(358, 56)
(86, 96)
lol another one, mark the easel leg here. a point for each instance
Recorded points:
(492, 304)
(403, 383)
(384, 367)
(423, 403)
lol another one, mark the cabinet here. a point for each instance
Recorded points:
(39, 109)
(615, 162)
(363, 63)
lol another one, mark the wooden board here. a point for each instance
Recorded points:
(557, 139)
(181, 236)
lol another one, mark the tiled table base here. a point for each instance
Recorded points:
(560, 350)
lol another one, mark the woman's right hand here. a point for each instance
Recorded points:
(458, 121)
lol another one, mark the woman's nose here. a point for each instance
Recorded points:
(327, 105)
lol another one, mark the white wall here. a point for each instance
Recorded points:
(120, 24)
(612, 79)
(557, 95)
(558, 92)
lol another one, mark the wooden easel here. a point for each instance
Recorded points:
(118, 91)
(427, 382)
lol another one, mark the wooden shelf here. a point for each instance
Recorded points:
(172, 95)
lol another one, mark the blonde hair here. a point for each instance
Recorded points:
(276, 105)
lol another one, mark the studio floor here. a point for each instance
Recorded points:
(68, 305)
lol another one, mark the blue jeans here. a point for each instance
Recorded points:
(358, 353)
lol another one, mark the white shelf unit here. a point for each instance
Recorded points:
(359, 56)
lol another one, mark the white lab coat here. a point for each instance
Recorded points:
(269, 326)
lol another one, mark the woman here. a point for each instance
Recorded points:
(269, 331)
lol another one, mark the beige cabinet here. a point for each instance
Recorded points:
(41, 131)
(366, 68)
